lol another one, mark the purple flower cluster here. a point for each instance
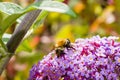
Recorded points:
(91, 59)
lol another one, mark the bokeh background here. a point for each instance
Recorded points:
(94, 17)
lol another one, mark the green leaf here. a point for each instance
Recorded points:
(54, 6)
(14, 11)
(9, 13)
(9, 8)
(1, 17)
(6, 37)
(25, 46)
(40, 19)
(3, 45)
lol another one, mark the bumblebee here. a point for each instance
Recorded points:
(63, 43)
(60, 46)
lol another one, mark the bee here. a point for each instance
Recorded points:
(59, 52)
(61, 45)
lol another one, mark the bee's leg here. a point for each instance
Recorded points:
(73, 48)
(70, 47)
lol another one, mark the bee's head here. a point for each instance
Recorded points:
(67, 43)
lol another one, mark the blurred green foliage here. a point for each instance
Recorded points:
(94, 17)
